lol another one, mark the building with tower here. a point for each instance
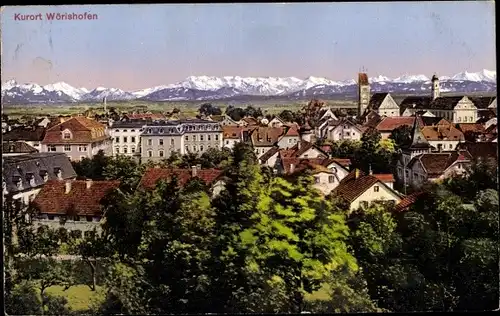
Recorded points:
(435, 87)
(363, 93)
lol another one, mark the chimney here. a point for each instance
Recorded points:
(193, 172)
(370, 171)
(356, 173)
(68, 186)
(292, 168)
(88, 182)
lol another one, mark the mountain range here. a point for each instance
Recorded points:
(200, 88)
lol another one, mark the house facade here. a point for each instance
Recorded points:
(343, 129)
(23, 176)
(78, 137)
(126, 137)
(360, 190)
(231, 135)
(160, 139)
(443, 135)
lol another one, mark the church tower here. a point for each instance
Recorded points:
(419, 144)
(363, 93)
(435, 87)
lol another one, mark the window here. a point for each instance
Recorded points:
(50, 217)
(195, 148)
(348, 134)
(331, 179)
(150, 153)
(216, 137)
(117, 150)
(89, 218)
(201, 148)
(227, 142)
(172, 142)
(125, 139)
(160, 141)
(186, 148)
(117, 139)
(150, 142)
(201, 137)
(67, 147)
(186, 137)
(132, 139)
(51, 148)
(451, 146)
(364, 204)
(209, 137)
(470, 118)
(82, 148)
(161, 130)
(160, 153)
(376, 188)
(149, 131)
(194, 138)
(125, 150)
(316, 179)
(117, 130)
(67, 135)
(132, 130)
(132, 149)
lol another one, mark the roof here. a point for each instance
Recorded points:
(388, 124)
(291, 131)
(436, 163)
(153, 175)
(421, 102)
(363, 79)
(311, 163)
(482, 102)
(232, 132)
(268, 154)
(266, 136)
(30, 133)
(445, 103)
(37, 165)
(250, 120)
(440, 132)
(17, 147)
(471, 127)
(351, 187)
(376, 100)
(145, 116)
(480, 150)
(83, 130)
(128, 124)
(408, 201)
(53, 199)
(429, 120)
(385, 177)
(300, 148)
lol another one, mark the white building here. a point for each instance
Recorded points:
(126, 137)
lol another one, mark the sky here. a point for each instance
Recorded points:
(144, 45)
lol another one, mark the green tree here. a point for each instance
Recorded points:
(216, 158)
(297, 238)
(401, 136)
(287, 115)
(209, 109)
(125, 169)
(91, 168)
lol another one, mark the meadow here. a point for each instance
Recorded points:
(188, 108)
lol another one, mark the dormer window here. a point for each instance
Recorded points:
(66, 134)
(30, 178)
(58, 173)
(18, 183)
(45, 175)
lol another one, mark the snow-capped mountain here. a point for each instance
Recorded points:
(111, 94)
(236, 87)
(63, 87)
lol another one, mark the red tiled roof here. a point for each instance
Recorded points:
(473, 127)
(153, 175)
(83, 130)
(388, 124)
(351, 187)
(408, 201)
(52, 198)
(436, 163)
(292, 131)
(232, 132)
(266, 136)
(344, 162)
(384, 177)
(481, 149)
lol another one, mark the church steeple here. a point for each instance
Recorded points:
(435, 87)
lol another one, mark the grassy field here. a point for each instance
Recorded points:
(80, 297)
(188, 108)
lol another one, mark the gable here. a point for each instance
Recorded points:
(311, 153)
(465, 104)
(384, 193)
(389, 103)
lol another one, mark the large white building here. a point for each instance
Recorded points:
(126, 137)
